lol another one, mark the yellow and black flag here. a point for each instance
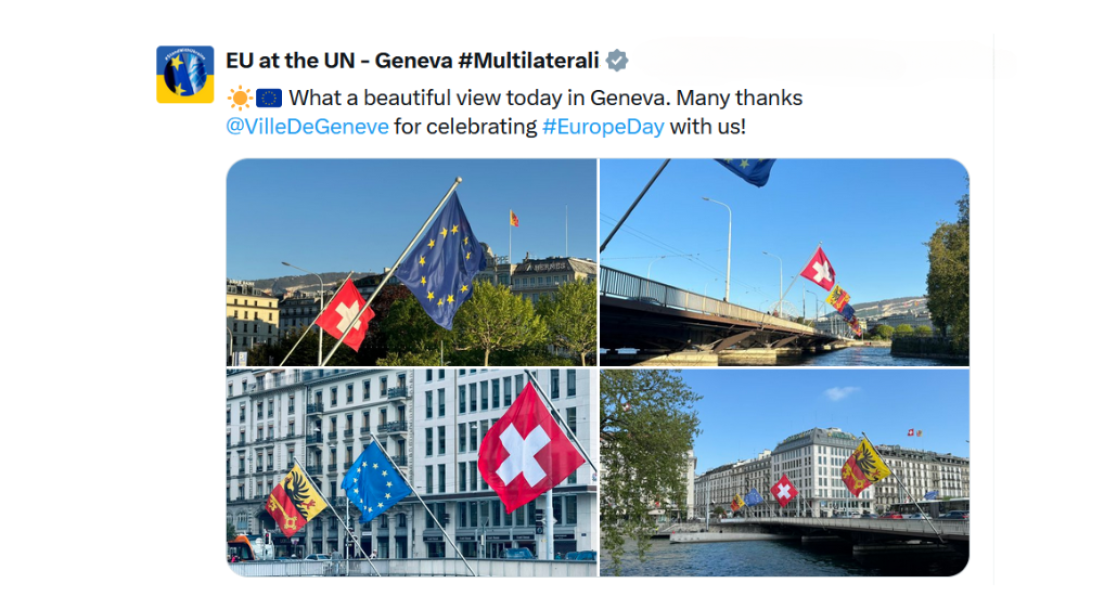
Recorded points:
(294, 502)
(737, 503)
(864, 468)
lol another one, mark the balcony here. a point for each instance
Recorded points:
(314, 470)
(333, 435)
(314, 438)
(397, 393)
(348, 433)
(332, 469)
(399, 460)
(366, 432)
(314, 409)
(400, 426)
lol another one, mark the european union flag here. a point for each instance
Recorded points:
(931, 495)
(372, 484)
(269, 98)
(752, 170)
(753, 498)
(440, 269)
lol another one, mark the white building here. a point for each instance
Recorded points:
(921, 472)
(454, 409)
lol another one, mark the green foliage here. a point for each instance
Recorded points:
(719, 511)
(647, 426)
(230, 531)
(493, 319)
(904, 330)
(923, 331)
(307, 352)
(948, 279)
(883, 331)
(427, 358)
(411, 336)
(571, 318)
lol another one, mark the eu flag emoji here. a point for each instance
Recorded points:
(269, 98)
(440, 269)
(372, 484)
(184, 74)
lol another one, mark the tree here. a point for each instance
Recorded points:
(883, 331)
(948, 278)
(411, 336)
(647, 427)
(305, 355)
(719, 511)
(571, 317)
(904, 330)
(923, 331)
(230, 531)
(493, 319)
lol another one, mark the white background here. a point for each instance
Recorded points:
(114, 227)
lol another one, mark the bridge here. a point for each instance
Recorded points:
(452, 567)
(669, 325)
(866, 535)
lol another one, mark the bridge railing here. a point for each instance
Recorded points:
(619, 284)
(897, 526)
(416, 567)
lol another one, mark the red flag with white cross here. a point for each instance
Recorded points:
(784, 491)
(342, 309)
(526, 453)
(819, 270)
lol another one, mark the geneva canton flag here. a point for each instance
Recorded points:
(372, 484)
(440, 269)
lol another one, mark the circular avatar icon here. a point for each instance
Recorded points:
(185, 73)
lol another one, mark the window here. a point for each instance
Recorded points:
(571, 382)
(484, 396)
(572, 421)
(441, 478)
(554, 383)
(442, 440)
(333, 396)
(441, 403)
(367, 389)
(461, 476)
(473, 476)
(461, 399)
(430, 375)
(441, 374)
(473, 437)
(430, 442)
(430, 479)
(473, 397)
(430, 405)
(461, 438)
(507, 392)
(496, 393)
(349, 393)
(519, 384)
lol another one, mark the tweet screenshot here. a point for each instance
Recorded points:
(584, 311)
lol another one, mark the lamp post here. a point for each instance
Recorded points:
(653, 263)
(780, 288)
(815, 305)
(729, 250)
(321, 304)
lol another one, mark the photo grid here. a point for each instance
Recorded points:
(413, 401)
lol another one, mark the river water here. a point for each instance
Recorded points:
(780, 558)
(860, 356)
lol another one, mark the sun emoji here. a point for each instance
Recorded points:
(240, 98)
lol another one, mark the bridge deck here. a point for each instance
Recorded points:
(915, 528)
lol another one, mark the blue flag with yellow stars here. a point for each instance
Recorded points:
(440, 269)
(753, 498)
(752, 170)
(372, 484)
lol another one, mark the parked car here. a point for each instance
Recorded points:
(517, 553)
(916, 516)
(582, 555)
(891, 515)
(965, 515)
(318, 557)
(869, 516)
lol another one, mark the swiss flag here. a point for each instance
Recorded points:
(820, 271)
(784, 491)
(342, 309)
(911, 432)
(526, 453)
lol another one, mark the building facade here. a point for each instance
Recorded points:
(297, 311)
(251, 316)
(921, 472)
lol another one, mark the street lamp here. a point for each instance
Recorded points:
(729, 250)
(321, 303)
(779, 305)
(815, 305)
(653, 263)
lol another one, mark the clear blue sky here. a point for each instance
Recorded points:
(746, 411)
(342, 215)
(871, 216)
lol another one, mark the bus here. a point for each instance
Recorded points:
(245, 549)
(933, 509)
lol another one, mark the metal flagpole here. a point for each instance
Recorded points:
(900, 481)
(334, 511)
(633, 205)
(437, 521)
(795, 278)
(392, 271)
(307, 330)
(551, 406)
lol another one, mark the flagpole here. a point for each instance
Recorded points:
(509, 250)
(334, 511)
(437, 521)
(307, 330)
(392, 271)
(551, 406)
(633, 205)
(900, 481)
(795, 278)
